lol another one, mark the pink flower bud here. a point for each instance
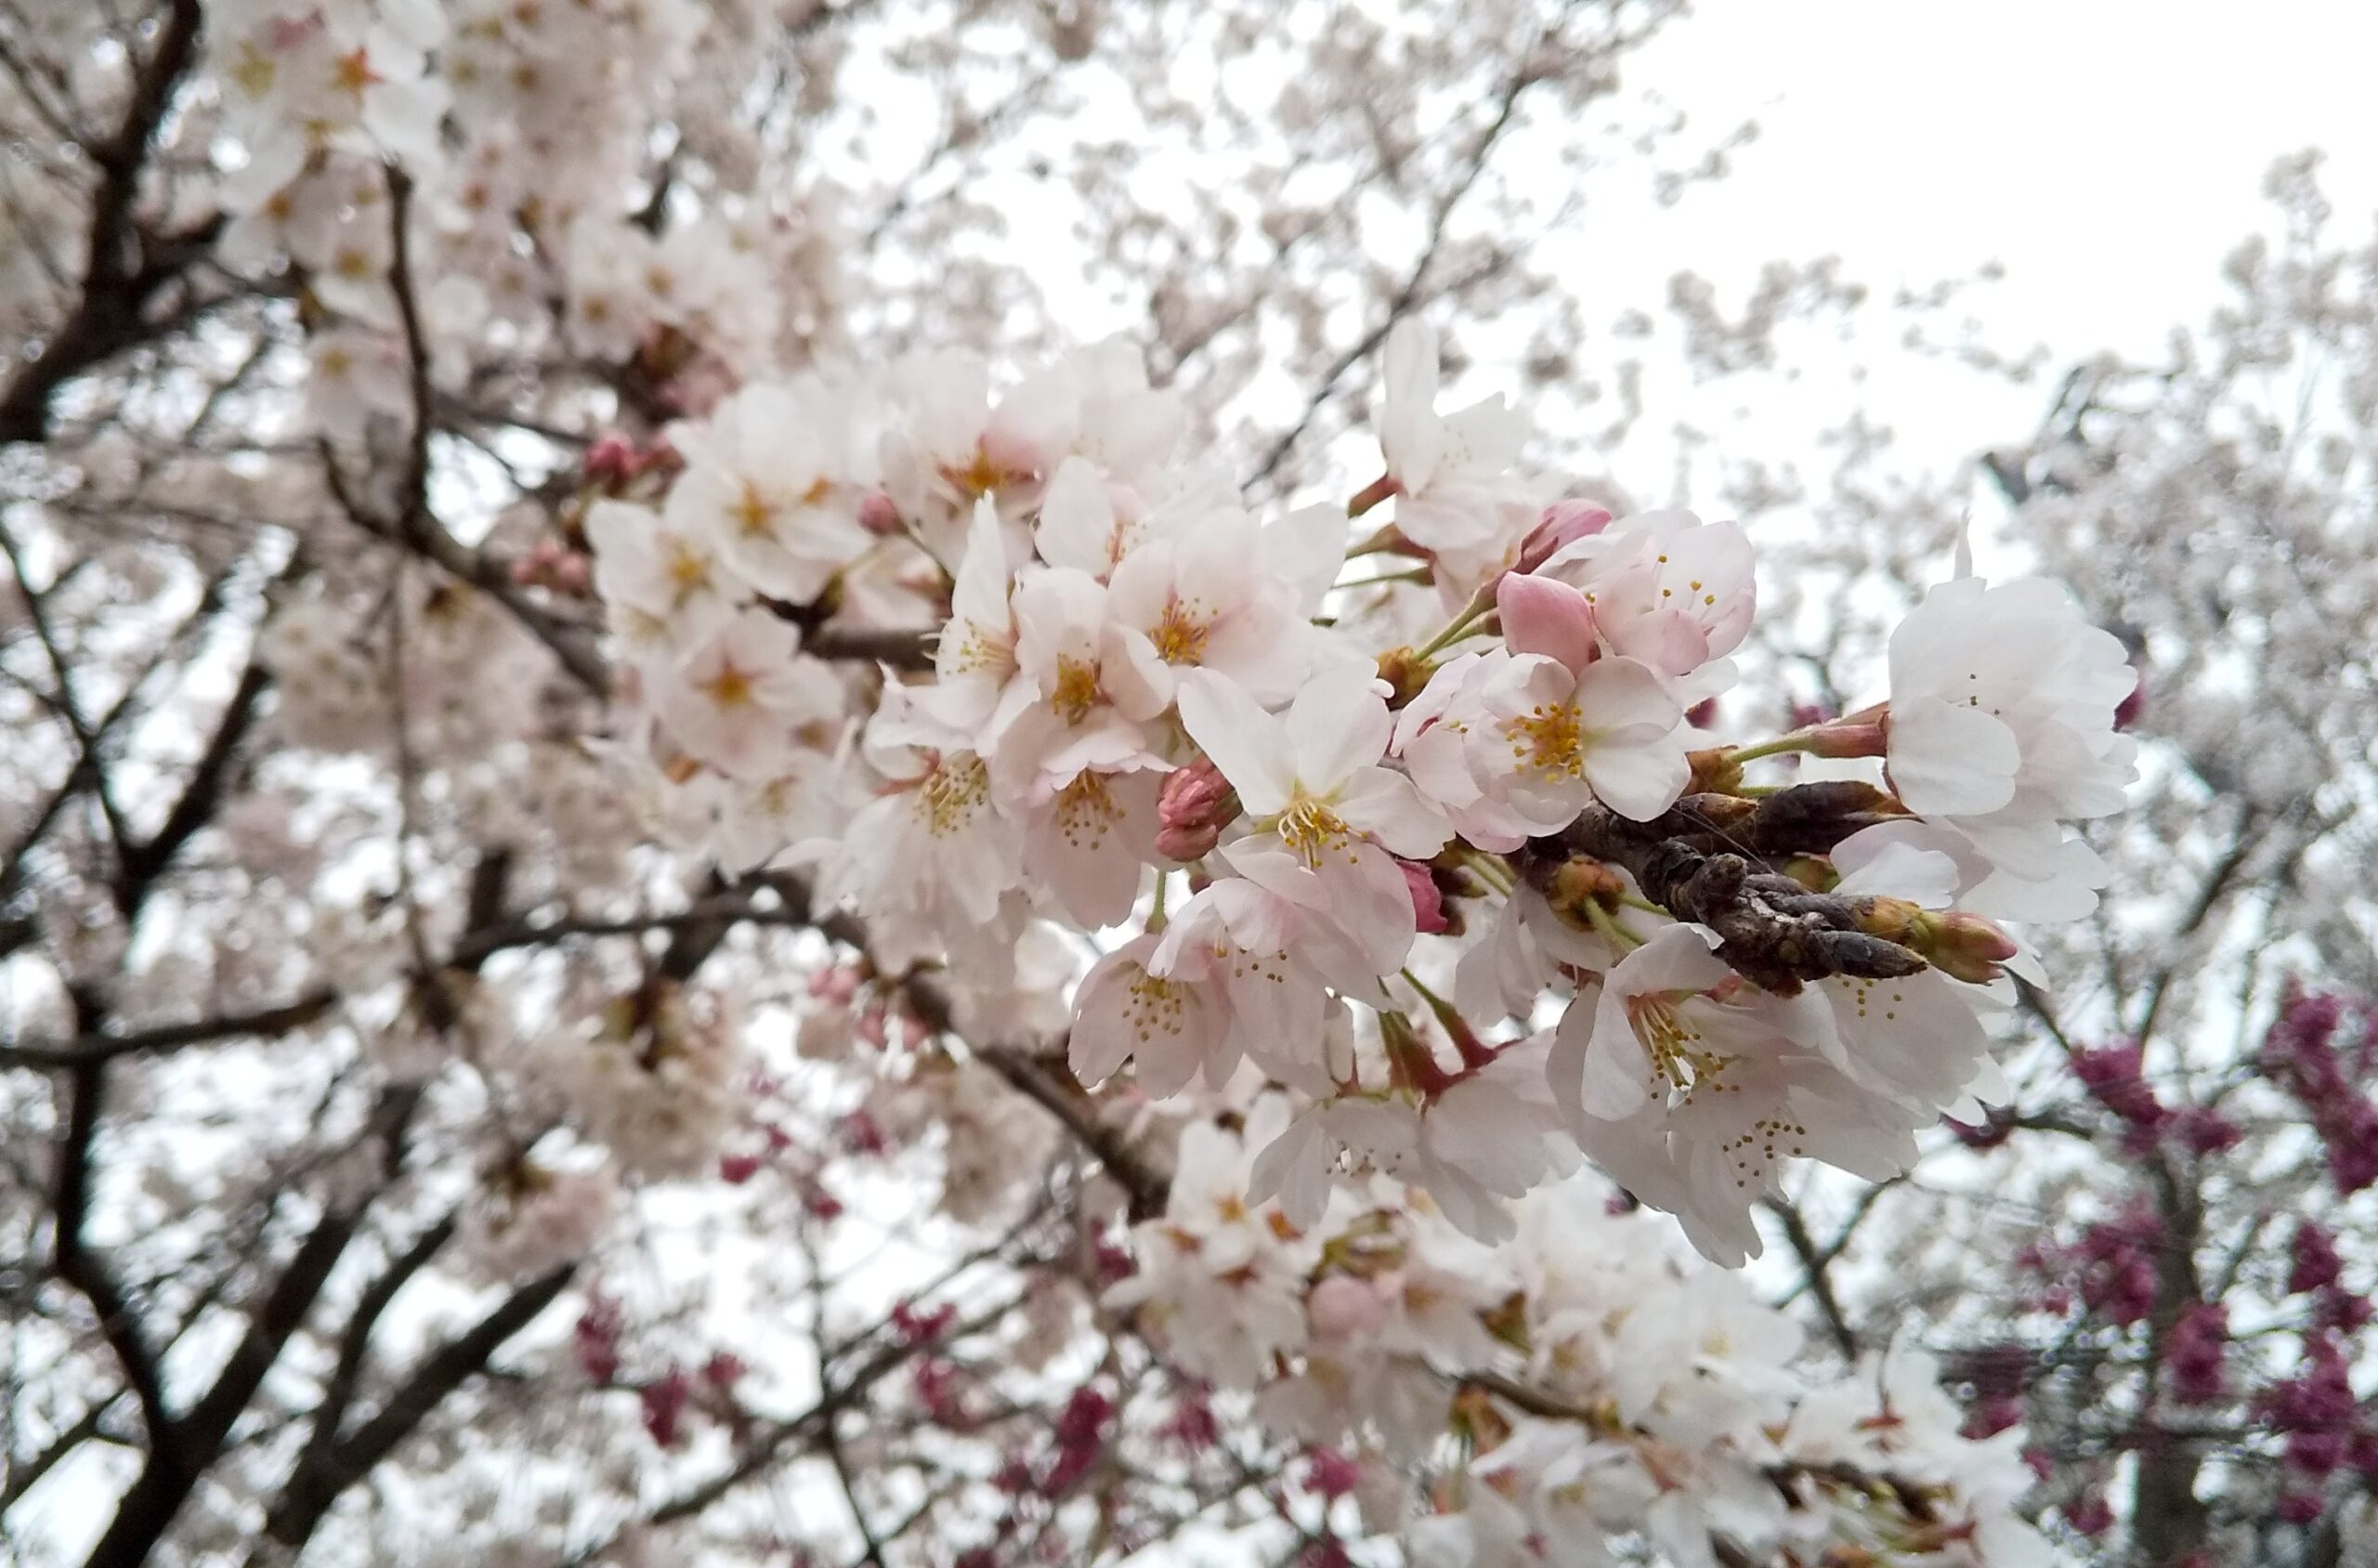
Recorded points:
(1332, 1474)
(1195, 804)
(610, 461)
(736, 1169)
(1542, 615)
(877, 514)
(837, 984)
(2132, 708)
(664, 1403)
(1565, 522)
(1343, 1307)
(1428, 900)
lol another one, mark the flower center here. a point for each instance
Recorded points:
(980, 649)
(688, 570)
(1086, 811)
(1549, 739)
(1672, 1042)
(1312, 830)
(1153, 1006)
(953, 794)
(1179, 637)
(352, 73)
(731, 688)
(1077, 690)
(978, 478)
(751, 512)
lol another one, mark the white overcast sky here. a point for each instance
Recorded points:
(2108, 152)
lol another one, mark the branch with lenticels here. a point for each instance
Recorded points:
(1712, 858)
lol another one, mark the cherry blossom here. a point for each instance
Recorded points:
(1450, 474)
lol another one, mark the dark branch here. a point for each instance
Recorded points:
(320, 1481)
(81, 1268)
(1773, 929)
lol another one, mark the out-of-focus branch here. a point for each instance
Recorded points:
(23, 1478)
(83, 1269)
(89, 1050)
(202, 795)
(355, 1345)
(1817, 1263)
(147, 1510)
(117, 283)
(325, 1474)
(1410, 296)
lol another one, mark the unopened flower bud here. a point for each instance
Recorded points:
(838, 984)
(2131, 708)
(1194, 806)
(1342, 1306)
(1964, 947)
(1893, 919)
(1428, 901)
(877, 514)
(611, 462)
(1565, 522)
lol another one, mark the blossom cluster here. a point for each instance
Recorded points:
(511, 124)
(1662, 1404)
(1441, 848)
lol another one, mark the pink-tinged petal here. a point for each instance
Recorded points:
(1247, 744)
(1384, 804)
(1639, 778)
(1616, 1080)
(1365, 901)
(1294, 1167)
(1090, 846)
(1917, 861)
(1140, 685)
(1950, 761)
(1077, 523)
(1306, 551)
(1339, 724)
(1674, 958)
(1616, 694)
(1670, 640)
(1438, 762)
(1565, 1063)
(1121, 1013)
(1409, 434)
(1542, 616)
(1563, 523)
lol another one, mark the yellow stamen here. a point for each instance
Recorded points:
(1549, 740)
(1076, 691)
(1180, 636)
